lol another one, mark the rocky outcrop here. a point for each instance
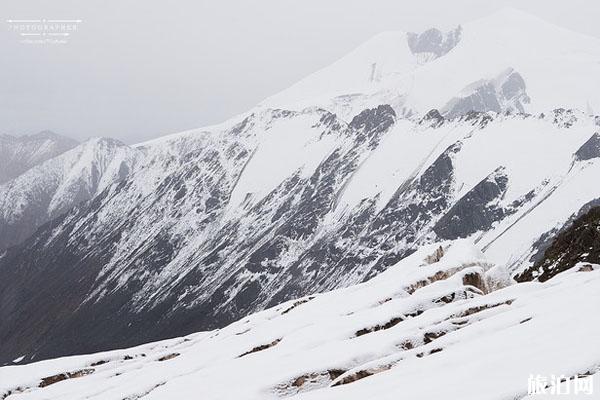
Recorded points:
(433, 43)
(578, 244)
(505, 93)
(590, 149)
(477, 210)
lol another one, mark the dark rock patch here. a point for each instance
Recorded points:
(50, 380)
(169, 357)
(580, 242)
(590, 149)
(392, 322)
(260, 348)
(476, 210)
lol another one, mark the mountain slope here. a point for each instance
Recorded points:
(55, 186)
(18, 154)
(441, 316)
(217, 223)
(201, 233)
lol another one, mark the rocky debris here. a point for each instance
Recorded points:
(436, 256)
(586, 268)
(296, 304)
(50, 380)
(477, 309)
(437, 276)
(429, 337)
(476, 280)
(169, 357)
(307, 382)
(579, 243)
(361, 375)
(392, 322)
(260, 348)
(564, 118)
(10, 392)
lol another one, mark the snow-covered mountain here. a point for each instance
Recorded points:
(412, 139)
(415, 73)
(442, 323)
(55, 186)
(20, 153)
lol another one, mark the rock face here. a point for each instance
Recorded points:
(505, 93)
(590, 149)
(477, 210)
(18, 154)
(576, 245)
(433, 43)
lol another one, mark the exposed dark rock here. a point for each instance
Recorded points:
(433, 41)
(483, 99)
(504, 94)
(476, 210)
(580, 242)
(392, 322)
(365, 373)
(296, 304)
(564, 118)
(260, 348)
(476, 280)
(50, 380)
(168, 357)
(433, 118)
(477, 309)
(590, 149)
(372, 123)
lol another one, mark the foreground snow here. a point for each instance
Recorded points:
(423, 329)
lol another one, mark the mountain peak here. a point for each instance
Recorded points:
(20, 153)
(514, 13)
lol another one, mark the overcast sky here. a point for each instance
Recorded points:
(135, 70)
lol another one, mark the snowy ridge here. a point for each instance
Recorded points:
(444, 310)
(563, 70)
(57, 185)
(18, 154)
